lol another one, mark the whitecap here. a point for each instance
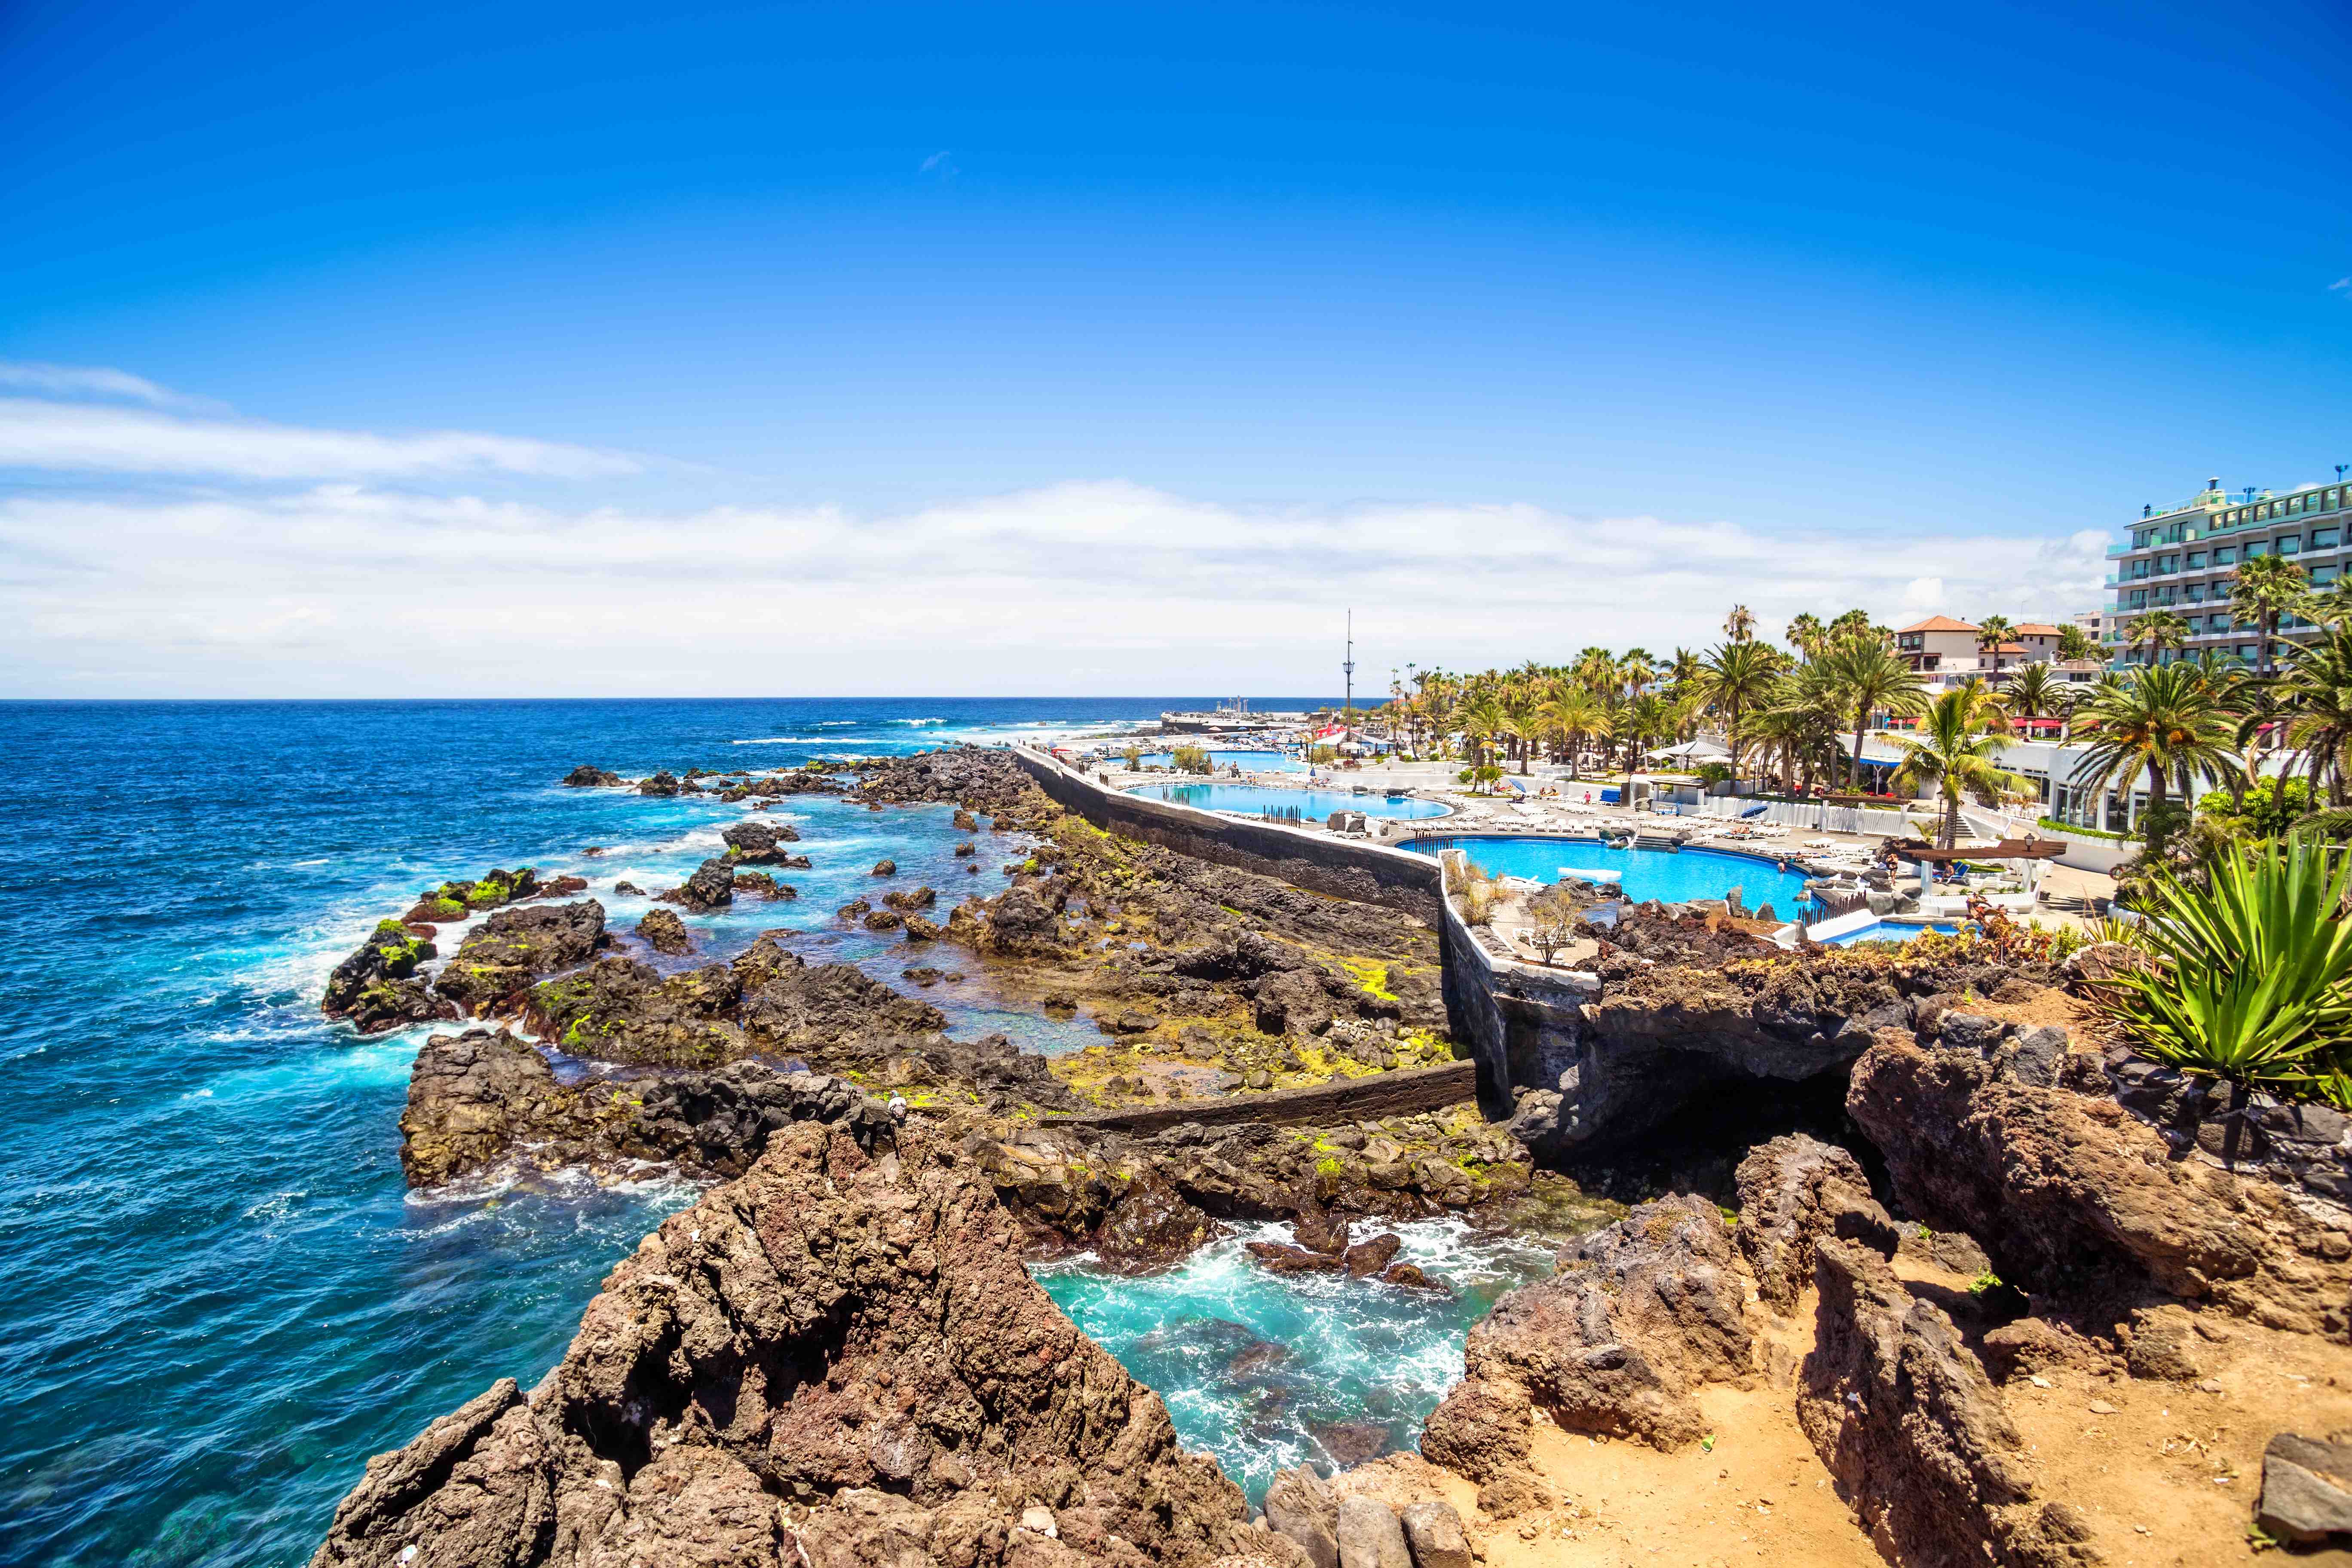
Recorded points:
(778, 740)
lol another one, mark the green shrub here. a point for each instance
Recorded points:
(2251, 978)
(2079, 831)
(2268, 810)
(1191, 759)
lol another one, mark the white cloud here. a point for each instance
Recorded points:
(97, 380)
(2342, 285)
(1106, 587)
(83, 437)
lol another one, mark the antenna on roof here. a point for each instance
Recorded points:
(1348, 669)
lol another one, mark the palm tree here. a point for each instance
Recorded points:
(1682, 670)
(1524, 729)
(1482, 719)
(1636, 669)
(1807, 635)
(2030, 693)
(1871, 679)
(1954, 749)
(2165, 719)
(1803, 719)
(1741, 624)
(1738, 677)
(2331, 605)
(2317, 689)
(1570, 716)
(2159, 629)
(1853, 624)
(2268, 588)
(1991, 632)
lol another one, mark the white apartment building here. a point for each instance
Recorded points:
(2184, 558)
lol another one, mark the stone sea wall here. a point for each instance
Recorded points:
(1342, 867)
(1516, 1021)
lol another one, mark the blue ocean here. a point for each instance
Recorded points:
(222, 1299)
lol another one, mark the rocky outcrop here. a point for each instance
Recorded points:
(837, 1358)
(2078, 1202)
(713, 886)
(661, 783)
(1641, 1314)
(589, 776)
(619, 1010)
(665, 932)
(1793, 1191)
(1902, 1413)
(479, 1100)
(455, 901)
(378, 987)
(759, 843)
(502, 956)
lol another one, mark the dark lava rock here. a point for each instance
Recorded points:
(886, 867)
(755, 843)
(628, 889)
(513, 947)
(1276, 1257)
(378, 988)
(1151, 1228)
(2306, 1491)
(1318, 1229)
(711, 887)
(586, 776)
(1371, 1257)
(921, 929)
(1793, 1191)
(619, 1010)
(911, 1382)
(662, 783)
(884, 920)
(911, 899)
(1915, 1434)
(665, 931)
(760, 885)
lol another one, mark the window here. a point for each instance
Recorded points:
(2323, 576)
(2220, 592)
(2138, 597)
(2255, 547)
(2141, 540)
(2219, 622)
(2197, 560)
(2165, 564)
(2193, 593)
(2323, 538)
(2290, 545)
(2246, 652)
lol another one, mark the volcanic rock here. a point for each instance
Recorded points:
(662, 783)
(377, 987)
(711, 887)
(587, 777)
(513, 947)
(619, 1010)
(755, 843)
(1370, 1535)
(1793, 1191)
(837, 1359)
(665, 931)
(2306, 1490)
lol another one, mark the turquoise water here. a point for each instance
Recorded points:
(223, 1299)
(1248, 761)
(1672, 877)
(1266, 1371)
(1314, 803)
(1883, 932)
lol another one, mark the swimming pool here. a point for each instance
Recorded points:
(1671, 876)
(1882, 930)
(1312, 805)
(1248, 761)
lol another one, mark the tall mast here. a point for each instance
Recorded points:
(1348, 669)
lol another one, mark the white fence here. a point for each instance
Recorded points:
(1822, 816)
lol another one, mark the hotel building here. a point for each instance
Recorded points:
(2183, 560)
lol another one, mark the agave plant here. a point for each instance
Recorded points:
(2253, 975)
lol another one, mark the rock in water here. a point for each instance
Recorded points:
(1150, 1226)
(589, 776)
(754, 843)
(838, 1359)
(665, 931)
(513, 947)
(378, 988)
(711, 887)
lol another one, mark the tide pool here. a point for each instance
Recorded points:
(1669, 876)
(1315, 805)
(1265, 1371)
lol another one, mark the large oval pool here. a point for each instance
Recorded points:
(1248, 761)
(1311, 805)
(1672, 876)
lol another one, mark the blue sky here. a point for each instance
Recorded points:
(1178, 327)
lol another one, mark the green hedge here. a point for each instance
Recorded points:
(2055, 826)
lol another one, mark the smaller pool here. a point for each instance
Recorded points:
(1885, 932)
(1311, 805)
(1248, 761)
(1671, 876)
